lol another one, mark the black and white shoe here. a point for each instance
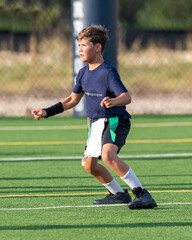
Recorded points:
(143, 199)
(120, 197)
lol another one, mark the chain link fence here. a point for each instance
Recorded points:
(154, 62)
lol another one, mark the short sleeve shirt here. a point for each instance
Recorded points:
(97, 84)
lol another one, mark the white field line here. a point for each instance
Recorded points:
(80, 157)
(74, 127)
(28, 128)
(87, 206)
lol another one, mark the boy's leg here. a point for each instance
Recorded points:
(97, 170)
(110, 158)
(114, 137)
(117, 194)
(142, 197)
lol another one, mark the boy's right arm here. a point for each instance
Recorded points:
(67, 103)
(72, 100)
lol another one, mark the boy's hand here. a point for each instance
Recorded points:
(107, 101)
(119, 101)
(38, 113)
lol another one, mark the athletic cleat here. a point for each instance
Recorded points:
(114, 198)
(143, 199)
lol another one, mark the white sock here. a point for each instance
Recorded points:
(113, 187)
(131, 179)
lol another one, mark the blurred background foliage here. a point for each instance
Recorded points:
(26, 16)
(156, 14)
(22, 16)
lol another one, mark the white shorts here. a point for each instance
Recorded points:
(94, 141)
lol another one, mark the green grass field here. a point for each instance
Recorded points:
(46, 194)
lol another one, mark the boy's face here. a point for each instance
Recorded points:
(88, 51)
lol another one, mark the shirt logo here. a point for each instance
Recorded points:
(93, 94)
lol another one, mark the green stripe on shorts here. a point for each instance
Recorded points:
(89, 127)
(113, 123)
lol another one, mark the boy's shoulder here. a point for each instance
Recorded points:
(83, 69)
(110, 68)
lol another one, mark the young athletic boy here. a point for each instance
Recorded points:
(106, 97)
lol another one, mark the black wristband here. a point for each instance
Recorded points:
(54, 109)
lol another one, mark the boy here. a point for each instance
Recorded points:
(106, 97)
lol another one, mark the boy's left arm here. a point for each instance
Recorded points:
(122, 100)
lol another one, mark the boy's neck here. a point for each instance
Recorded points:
(95, 65)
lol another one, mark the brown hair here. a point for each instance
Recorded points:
(95, 34)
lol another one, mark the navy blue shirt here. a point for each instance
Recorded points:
(97, 84)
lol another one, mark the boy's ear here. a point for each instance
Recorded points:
(98, 47)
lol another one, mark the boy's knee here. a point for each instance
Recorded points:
(90, 169)
(107, 157)
(89, 166)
